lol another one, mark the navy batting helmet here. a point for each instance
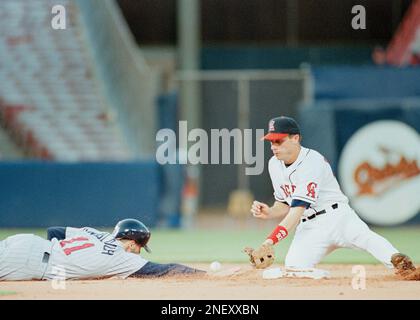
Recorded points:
(134, 230)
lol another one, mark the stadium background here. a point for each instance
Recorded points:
(80, 108)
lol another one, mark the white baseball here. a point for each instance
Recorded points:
(215, 266)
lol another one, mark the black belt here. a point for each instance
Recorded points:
(334, 206)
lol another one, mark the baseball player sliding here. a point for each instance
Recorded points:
(85, 253)
(308, 198)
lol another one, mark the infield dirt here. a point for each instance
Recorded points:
(246, 283)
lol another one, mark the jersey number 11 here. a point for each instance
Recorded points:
(69, 250)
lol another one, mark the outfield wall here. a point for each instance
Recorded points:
(276, 57)
(365, 82)
(41, 194)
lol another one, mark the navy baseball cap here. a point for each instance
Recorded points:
(280, 127)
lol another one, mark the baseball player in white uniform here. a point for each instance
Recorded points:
(308, 198)
(83, 253)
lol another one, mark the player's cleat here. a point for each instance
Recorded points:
(402, 264)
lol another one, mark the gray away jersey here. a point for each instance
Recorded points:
(87, 253)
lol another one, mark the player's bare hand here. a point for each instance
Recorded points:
(260, 210)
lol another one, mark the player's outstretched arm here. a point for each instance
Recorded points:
(153, 270)
(290, 222)
(261, 210)
(263, 257)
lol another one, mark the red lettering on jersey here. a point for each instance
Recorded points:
(288, 189)
(68, 251)
(284, 190)
(64, 242)
(311, 189)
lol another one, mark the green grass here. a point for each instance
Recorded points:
(7, 293)
(226, 246)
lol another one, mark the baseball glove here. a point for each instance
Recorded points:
(261, 258)
(413, 275)
(404, 267)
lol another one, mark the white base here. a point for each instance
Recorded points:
(273, 273)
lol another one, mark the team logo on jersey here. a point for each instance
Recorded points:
(380, 167)
(271, 126)
(311, 189)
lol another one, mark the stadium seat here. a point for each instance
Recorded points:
(51, 103)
